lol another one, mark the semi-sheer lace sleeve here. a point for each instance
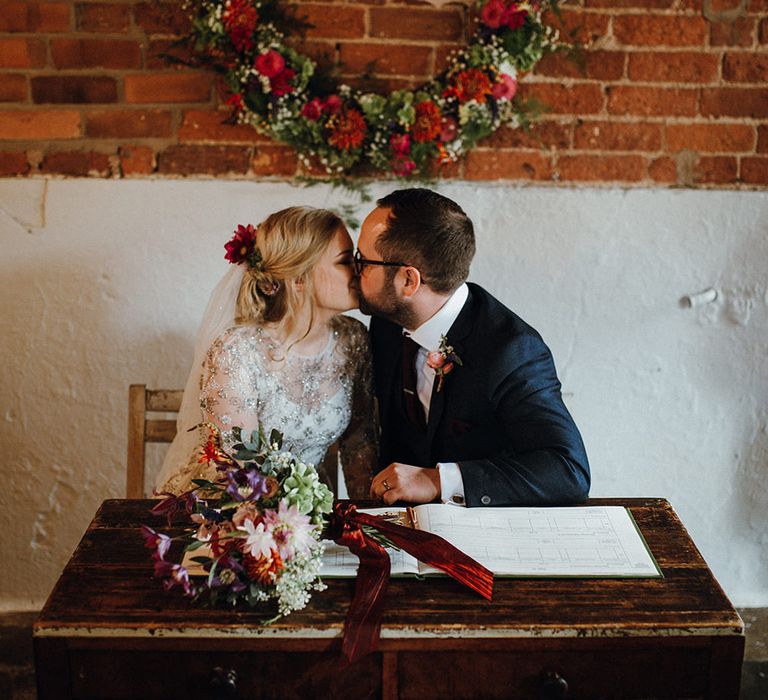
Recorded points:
(358, 447)
(228, 397)
(229, 391)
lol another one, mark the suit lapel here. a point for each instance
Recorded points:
(391, 357)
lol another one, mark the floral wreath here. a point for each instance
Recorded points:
(283, 95)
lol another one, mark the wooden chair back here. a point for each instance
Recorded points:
(142, 429)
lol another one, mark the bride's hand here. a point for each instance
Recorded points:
(404, 482)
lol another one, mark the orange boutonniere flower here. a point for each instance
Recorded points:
(443, 360)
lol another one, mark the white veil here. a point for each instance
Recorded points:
(219, 315)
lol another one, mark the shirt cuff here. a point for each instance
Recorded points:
(451, 484)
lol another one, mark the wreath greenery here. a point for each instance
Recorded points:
(283, 94)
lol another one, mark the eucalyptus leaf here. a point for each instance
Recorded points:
(202, 560)
(192, 546)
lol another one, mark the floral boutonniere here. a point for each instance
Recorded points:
(443, 360)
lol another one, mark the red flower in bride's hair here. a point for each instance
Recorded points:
(347, 130)
(242, 246)
(239, 20)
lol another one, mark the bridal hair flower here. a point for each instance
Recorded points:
(242, 247)
(443, 360)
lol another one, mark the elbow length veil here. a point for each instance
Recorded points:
(219, 316)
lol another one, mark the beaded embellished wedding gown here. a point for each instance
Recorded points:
(314, 401)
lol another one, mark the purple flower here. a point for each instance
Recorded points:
(172, 504)
(246, 485)
(157, 541)
(174, 574)
(227, 575)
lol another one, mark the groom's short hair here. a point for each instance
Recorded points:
(430, 232)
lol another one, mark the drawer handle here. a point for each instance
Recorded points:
(223, 683)
(553, 686)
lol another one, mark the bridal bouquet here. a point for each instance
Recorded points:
(254, 530)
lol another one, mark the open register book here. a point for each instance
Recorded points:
(583, 542)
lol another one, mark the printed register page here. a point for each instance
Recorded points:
(583, 542)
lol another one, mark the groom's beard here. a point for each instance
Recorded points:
(386, 305)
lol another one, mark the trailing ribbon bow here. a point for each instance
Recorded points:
(363, 623)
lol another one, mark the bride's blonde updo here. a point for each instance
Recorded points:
(291, 242)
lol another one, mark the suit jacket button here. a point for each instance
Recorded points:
(485, 500)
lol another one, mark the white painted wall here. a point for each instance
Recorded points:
(103, 283)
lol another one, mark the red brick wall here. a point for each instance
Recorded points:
(675, 92)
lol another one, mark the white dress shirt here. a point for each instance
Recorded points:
(428, 335)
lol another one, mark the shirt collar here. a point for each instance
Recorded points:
(428, 334)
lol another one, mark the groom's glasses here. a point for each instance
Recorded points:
(359, 262)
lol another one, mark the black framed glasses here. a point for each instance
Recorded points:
(359, 262)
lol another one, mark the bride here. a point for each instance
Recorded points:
(274, 351)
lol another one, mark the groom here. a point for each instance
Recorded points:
(469, 401)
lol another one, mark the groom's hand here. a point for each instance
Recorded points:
(404, 482)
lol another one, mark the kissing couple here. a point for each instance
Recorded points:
(469, 409)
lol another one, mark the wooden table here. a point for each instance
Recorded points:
(109, 630)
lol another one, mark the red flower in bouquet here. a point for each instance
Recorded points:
(210, 451)
(472, 84)
(281, 83)
(270, 63)
(427, 124)
(264, 569)
(347, 129)
(239, 19)
(242, 246)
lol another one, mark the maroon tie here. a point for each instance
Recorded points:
(413, 406)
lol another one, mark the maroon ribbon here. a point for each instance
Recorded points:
(363, 623)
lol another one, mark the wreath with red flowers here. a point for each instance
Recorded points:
(283, 95)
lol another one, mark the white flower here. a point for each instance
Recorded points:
(259, 542)
(509, 69)
(292, 531)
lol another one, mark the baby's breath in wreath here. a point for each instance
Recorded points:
(283, 95)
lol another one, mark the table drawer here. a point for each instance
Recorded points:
(576, 675)
(120, 675)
